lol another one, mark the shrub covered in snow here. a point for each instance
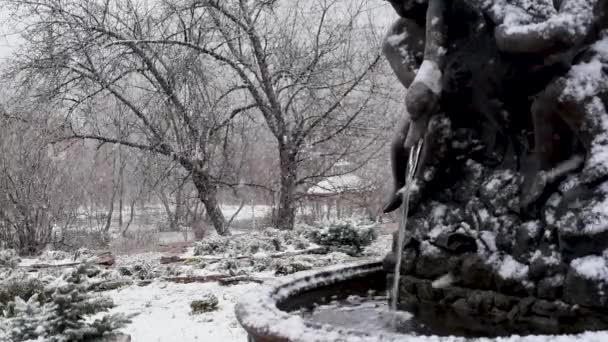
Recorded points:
(55, 255)
(9, 258)
(60, 311)
(292, 266)
(267, 241)
(208, 303)
(140, 271)
(347, 237)
(271, 249)
(19, 285)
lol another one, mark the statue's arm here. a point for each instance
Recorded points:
(424, 93)
(403, 48)
(562, 31)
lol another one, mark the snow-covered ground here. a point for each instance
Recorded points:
(163, 308)
(163, 312)
(248, 212)
(160, 308)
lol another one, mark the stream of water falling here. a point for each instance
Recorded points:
(412, 165)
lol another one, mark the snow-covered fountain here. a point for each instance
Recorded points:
(509, 209)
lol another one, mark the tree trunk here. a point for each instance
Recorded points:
(131, 215)
(207, 193)
(106, 229)
(286, 214)
(177, 215)
(121, 192)
(167, 205)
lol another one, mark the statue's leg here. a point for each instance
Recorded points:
(589, 120)
(548, 126)
(399, 157)
(551, 142)
(403, 47)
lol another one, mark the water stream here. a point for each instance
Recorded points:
(412, 165)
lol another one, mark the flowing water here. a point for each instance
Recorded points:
(412, 165)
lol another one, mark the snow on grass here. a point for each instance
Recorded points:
(163, 312)
(247, 213)
(162, 309)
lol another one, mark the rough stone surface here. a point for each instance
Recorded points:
(575, 245)
(551, 288)
(475, 273)
(527, 237)
(488, 313)
(509, 211)
(579, 289)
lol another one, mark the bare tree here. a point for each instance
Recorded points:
(82, 53)
(305, 66)
(186, 70)
(35, 196)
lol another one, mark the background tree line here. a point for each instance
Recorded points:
(186, 103)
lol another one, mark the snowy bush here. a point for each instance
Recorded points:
(212, 245)
(267, 241)
(59, 313)
(34, 188)
(207, 304)
(18, 285)
(346, 237)
(292, 266)
(143, 270)
(54, 255)
(9, 258)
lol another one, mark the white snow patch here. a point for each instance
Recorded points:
(489, 238)
(584, 80)
(443, 281)
(597, 161)
(509, 268)
(591, 267)
(430, 75)
(396, 39)
(532, 228)
(438, 213)
(427, 249)
(164, 312)
(247, 212)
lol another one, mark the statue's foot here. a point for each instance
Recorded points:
(393, 203)
(397, 198)
(532, 190)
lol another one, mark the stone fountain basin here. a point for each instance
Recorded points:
(267, 313)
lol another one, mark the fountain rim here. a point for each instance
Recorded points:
(257, 311)
(259, 315)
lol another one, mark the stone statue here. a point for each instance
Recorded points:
(415, 48)
(471, 79)
(511, 197)
(574, 102)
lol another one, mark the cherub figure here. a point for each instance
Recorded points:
(415, 47)
(573, 34)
